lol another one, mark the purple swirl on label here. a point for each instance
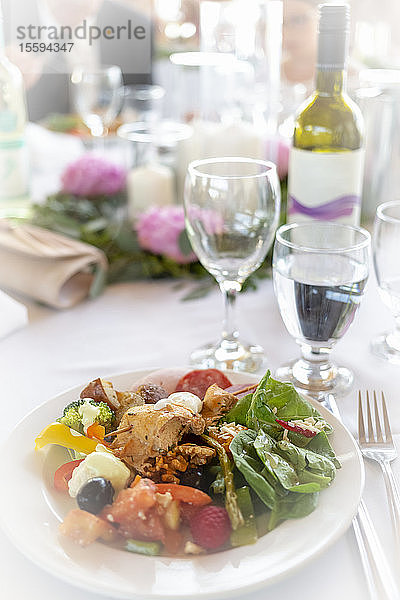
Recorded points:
(340, 207)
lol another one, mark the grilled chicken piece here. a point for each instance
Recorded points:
(126, 401)
(217, 402)
(153, 431)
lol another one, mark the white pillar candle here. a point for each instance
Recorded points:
(210, 140)
(236, 139)
(149, 185)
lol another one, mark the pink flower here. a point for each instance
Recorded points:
(93, 176)
(159, 229)
(278, 150)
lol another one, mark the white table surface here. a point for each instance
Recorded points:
(140, 325)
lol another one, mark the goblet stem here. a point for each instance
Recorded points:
(393, 338)
(315, 367)
(230, 334)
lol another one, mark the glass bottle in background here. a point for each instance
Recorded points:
(152, 181)
(327, 158)
(14, 163)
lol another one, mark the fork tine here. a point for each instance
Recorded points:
(361, 430)
(388, 432)
(379, 436)
(371, 436)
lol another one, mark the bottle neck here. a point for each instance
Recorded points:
(331, 60)
(330, 82)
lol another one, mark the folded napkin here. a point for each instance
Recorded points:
(49, 267)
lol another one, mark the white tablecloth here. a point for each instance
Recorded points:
(142, 325)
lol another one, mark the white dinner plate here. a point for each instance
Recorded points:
(31, 510)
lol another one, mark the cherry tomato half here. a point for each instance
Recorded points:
(64, 474)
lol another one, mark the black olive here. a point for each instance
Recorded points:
(192, 477)
(95, 494)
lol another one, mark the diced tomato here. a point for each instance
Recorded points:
(84, 528)
(184, 493)
(64, 474)
(137, 512)
(198, 381)
(150, 528)
(132, 501)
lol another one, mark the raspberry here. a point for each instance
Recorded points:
(210, 527)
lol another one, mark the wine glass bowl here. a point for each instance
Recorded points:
(97, 96)
(386, 247)
(232, 211)
(319, 270)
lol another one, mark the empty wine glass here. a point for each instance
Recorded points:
(320, 270)
(232, 210)
(386, 248)
(143, 102)
(97, 96)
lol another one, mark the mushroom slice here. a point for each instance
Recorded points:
(101, 391)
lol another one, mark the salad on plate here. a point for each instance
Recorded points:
(185, 463)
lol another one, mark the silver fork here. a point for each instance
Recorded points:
(379, 579)
(379, 446)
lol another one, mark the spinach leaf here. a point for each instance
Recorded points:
(238, 413)
(278, 467)
(275, 399)
(286, 475)
(316, 463)
(301, 482)
(309, 477)
(259, 412)
(248, 463)
(320, 444)
(292, 506)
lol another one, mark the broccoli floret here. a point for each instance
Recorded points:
(106, 416)
(73, 415)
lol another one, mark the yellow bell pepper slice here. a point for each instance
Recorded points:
(58, 433)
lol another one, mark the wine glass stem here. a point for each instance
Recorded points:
(393, 339)
(230, 334)
(319, 366)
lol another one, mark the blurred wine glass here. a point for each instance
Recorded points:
(232, 211)
(97, 96)
(386, 248)
(143, 103)
(320, 270)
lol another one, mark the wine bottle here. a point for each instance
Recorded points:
(14, 163)
(327, 157)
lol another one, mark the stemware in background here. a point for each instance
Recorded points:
(232, 210)
(142, 102)
(386, 249)
(97, 96)
(320, 270)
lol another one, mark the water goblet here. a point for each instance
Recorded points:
(319, 270)
(386, 247)
(232, 211)
(97, 96)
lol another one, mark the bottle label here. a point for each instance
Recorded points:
(325, 186)
(14, 171)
